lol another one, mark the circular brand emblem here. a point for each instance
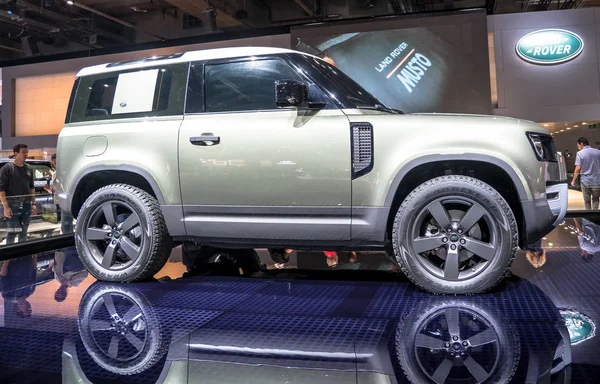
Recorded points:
(549, 46)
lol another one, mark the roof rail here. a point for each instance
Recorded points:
(146, 60)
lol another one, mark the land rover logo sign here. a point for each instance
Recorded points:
(549, 46)
(580, 327)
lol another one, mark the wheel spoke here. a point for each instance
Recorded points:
(132, 314)
(484, 250)
(429, 342)
(473, 215)
(424, 244)
(441, 373)
(109, 304)
(132, 221)
(109, 256)
(99, 325)
(439, 213)
(476, 369)
(132, 250)
(484, 337)
(113, 348)
(452, 319)
(451, 265)
(97, 234)
(135, 341)
(109, 213)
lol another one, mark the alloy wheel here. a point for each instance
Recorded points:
(118, 327)
(113, 235)
(457, 345)
(454, 238)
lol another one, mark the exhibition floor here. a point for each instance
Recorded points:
(304, 321)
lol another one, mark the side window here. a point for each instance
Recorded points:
(244, 86)
(138, 93)
(101, 97)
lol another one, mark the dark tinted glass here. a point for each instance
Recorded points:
(194, 100)
(95, 95)
(101, 97)
(339, 83)
(244, 86)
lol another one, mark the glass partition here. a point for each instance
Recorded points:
(26, 220)
(586, 155)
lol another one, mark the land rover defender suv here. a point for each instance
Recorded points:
(245, 148)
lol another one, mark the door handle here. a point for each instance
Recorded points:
(205, 140)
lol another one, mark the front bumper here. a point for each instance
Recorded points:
(558, 200)
(541, 216)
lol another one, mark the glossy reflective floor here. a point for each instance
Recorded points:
(303, 318)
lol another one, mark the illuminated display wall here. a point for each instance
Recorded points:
(433, 64)
(548, 64)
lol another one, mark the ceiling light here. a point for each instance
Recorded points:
(70, 2)
(568, 128)
(584, 123)
(545, 125)
(562, 130)
(575, 126)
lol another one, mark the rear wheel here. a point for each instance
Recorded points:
(455, 234)
(122, 235)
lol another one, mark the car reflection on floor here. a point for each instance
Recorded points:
(221, 321)
(231, 330)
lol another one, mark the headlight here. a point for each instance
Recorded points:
(543, 146)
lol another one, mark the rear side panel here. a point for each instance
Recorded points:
(124, 121)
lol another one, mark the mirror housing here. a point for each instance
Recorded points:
(291, 93)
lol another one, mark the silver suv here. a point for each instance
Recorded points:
(264, 147)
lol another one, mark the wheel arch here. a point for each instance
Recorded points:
(488, 169)
(99, 176)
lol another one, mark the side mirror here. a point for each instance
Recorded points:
(290, 93)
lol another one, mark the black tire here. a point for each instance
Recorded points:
(422, 335)
(113, 348)
(149, 238)
(460, 270)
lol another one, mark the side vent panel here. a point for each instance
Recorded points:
(362, 149)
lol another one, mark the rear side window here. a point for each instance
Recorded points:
(244, 86)
(138, 93)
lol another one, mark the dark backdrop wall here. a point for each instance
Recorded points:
(568, 91)
(419, 64)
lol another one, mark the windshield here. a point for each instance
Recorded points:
(342, 86)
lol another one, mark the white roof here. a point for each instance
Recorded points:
(205, 54)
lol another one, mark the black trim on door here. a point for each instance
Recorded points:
(361, 148)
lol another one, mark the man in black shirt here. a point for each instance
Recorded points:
(17, 192)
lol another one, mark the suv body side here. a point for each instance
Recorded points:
(209, 192)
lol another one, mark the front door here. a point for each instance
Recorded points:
(252, 171)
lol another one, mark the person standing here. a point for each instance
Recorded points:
(587, 163)
(17, 192)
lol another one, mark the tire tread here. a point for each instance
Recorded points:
(512, 222)
(162, 242)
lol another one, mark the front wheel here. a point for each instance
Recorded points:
(455, 234)
(122, 235)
